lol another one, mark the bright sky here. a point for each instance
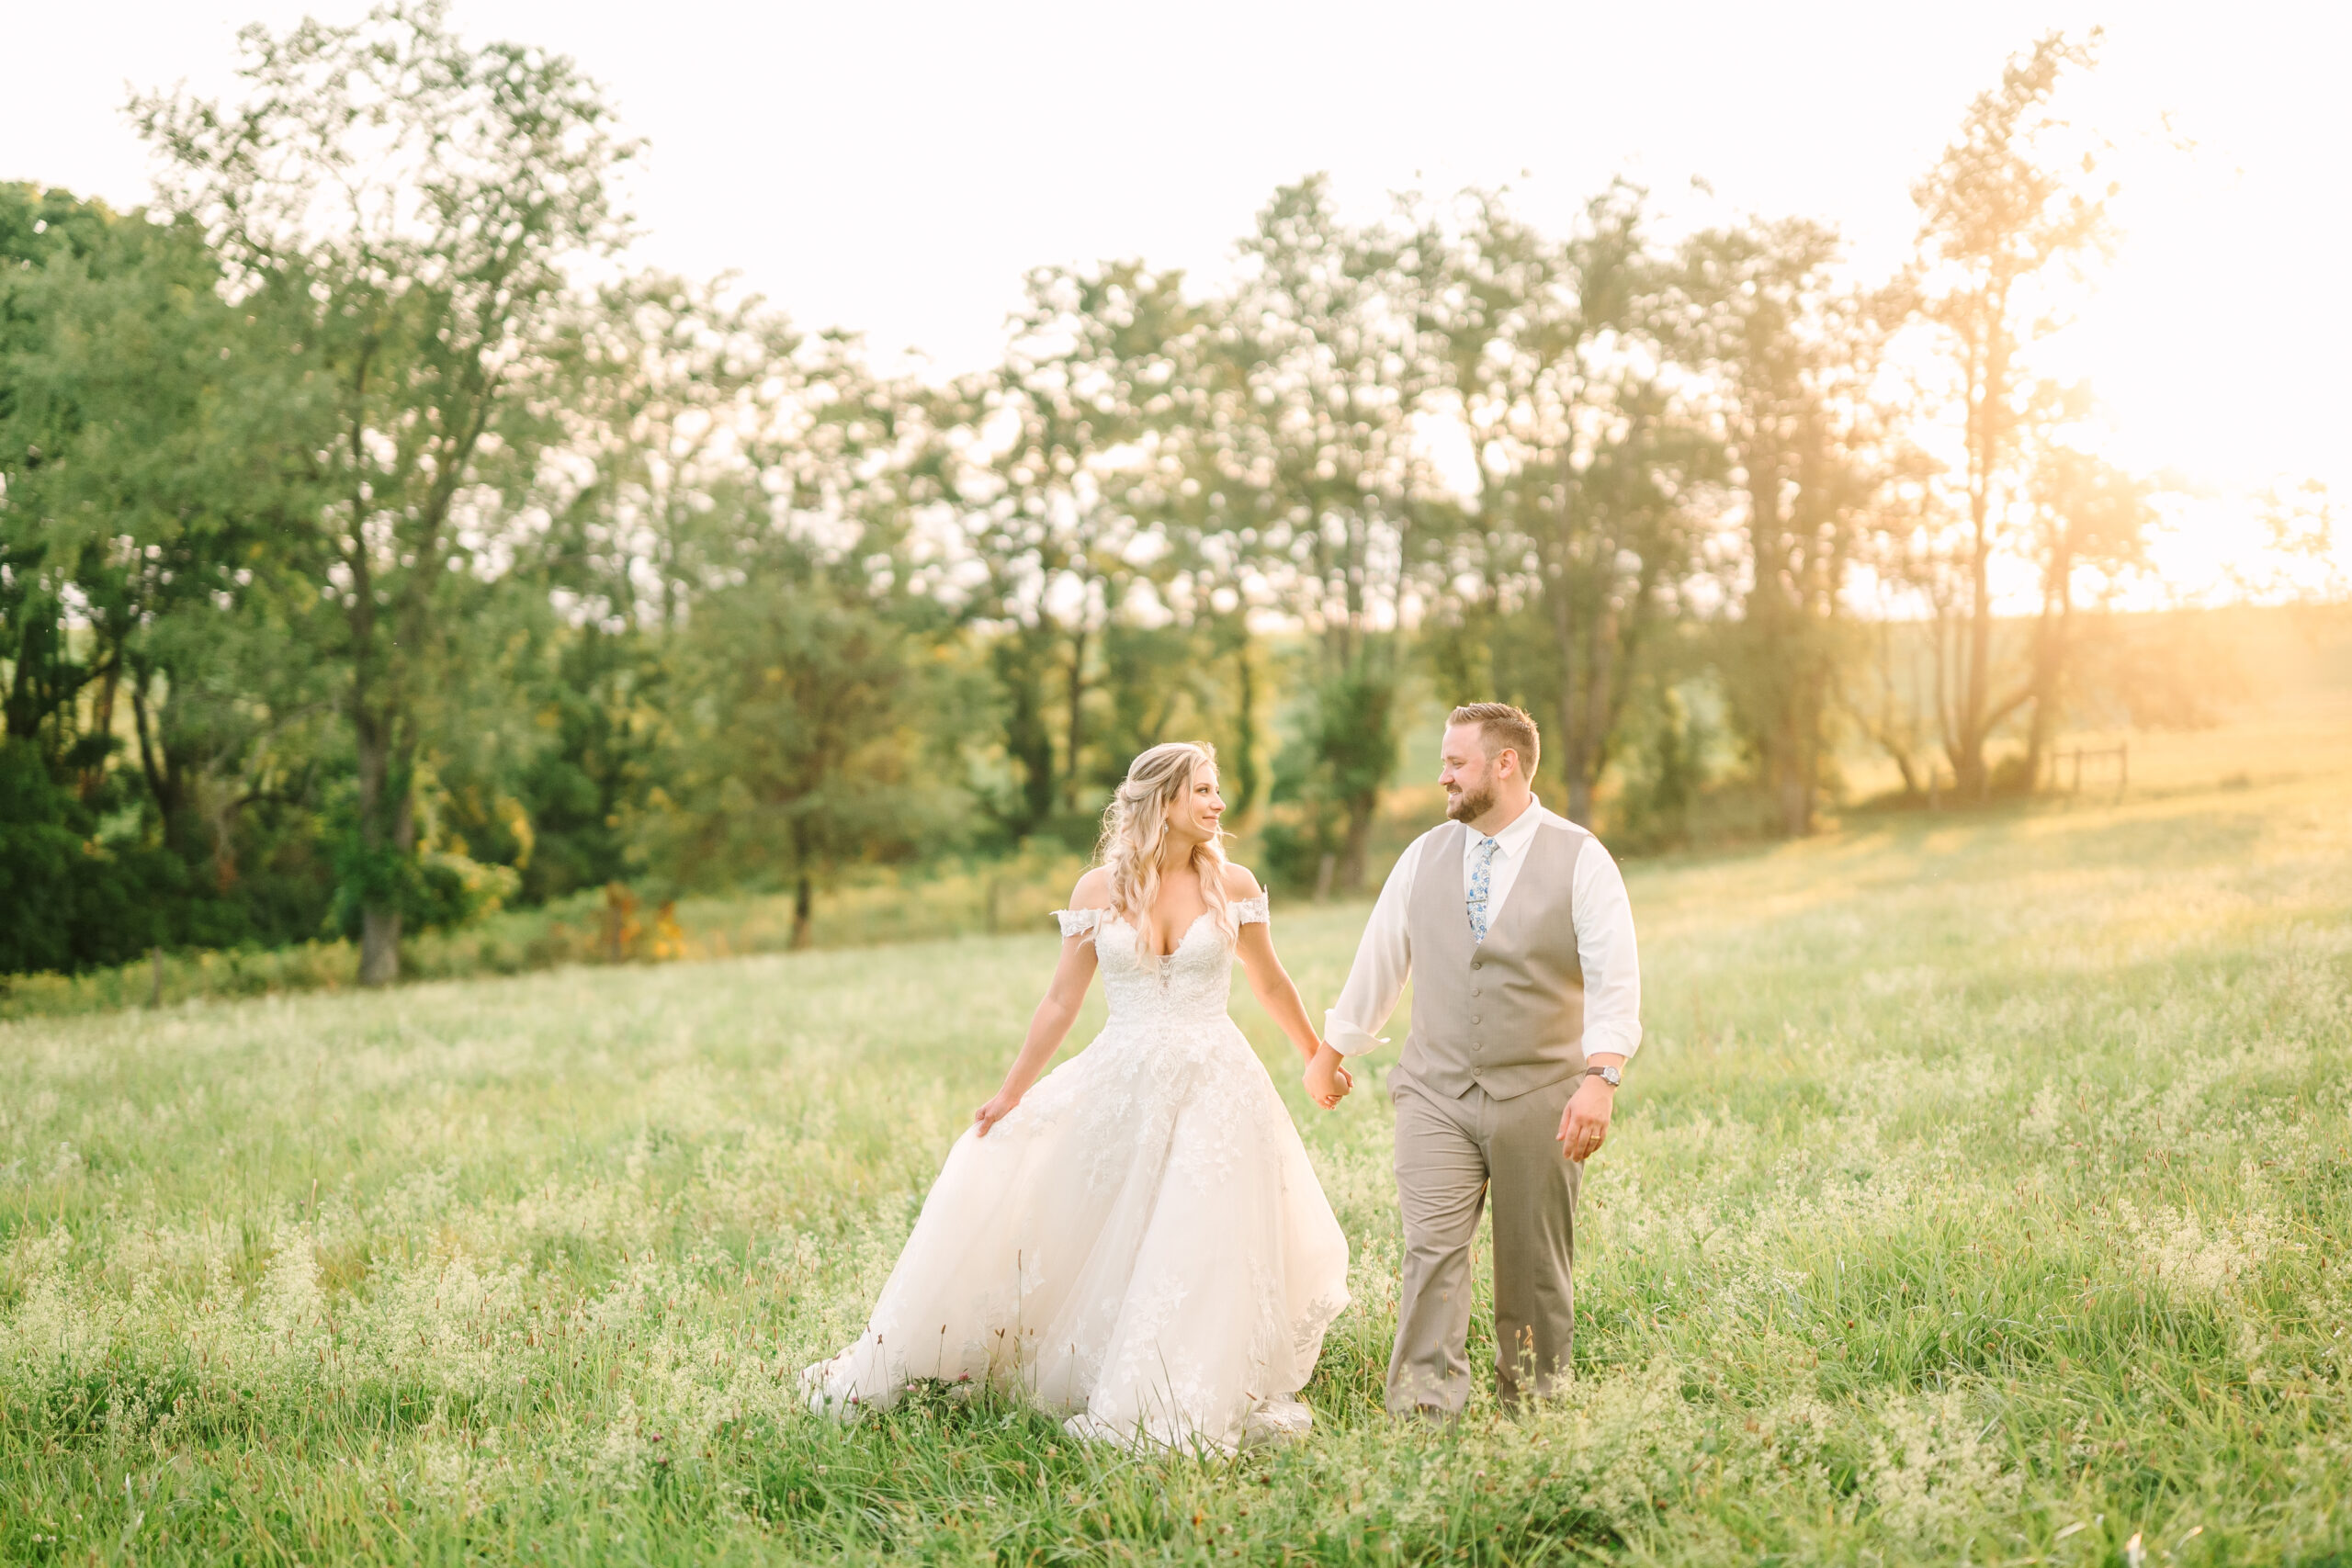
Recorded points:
(895, 168)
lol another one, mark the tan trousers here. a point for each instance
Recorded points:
(1449, 1153)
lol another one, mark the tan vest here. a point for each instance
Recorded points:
(1506, 1014)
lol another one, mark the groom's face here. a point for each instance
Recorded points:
(1467, 773)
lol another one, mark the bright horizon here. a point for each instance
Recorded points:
(895, 172)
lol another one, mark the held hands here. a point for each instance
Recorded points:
(1584, 1125)
(1327, 1081)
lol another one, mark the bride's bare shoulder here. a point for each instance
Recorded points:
(1239, 883)
(1094, 890)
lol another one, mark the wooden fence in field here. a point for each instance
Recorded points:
(2099, 756)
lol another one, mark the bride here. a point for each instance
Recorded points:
(1137, 1241)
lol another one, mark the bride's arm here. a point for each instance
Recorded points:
(1049, 1025)
(1327, 1081)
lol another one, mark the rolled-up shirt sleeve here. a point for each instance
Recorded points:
(1605, 951)
(1384, 962)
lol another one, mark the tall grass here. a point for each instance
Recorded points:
(1981, 1194)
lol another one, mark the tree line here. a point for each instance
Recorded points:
(376, 547)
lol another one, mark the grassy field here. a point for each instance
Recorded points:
(1983, 1193)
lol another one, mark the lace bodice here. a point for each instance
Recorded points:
(1191, 984)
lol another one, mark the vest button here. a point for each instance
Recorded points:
(1474, 1019)
(1477, 963)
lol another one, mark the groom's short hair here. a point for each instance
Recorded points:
(1503, 728)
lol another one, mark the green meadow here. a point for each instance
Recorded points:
(1983, 1192)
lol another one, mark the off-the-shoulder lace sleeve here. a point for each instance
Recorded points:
(1258, 909)
(1078, 922)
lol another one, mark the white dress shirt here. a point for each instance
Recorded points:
(1604, 930)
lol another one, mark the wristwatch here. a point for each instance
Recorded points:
(1611, 1076)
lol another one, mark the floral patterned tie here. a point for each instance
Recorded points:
(1481, 878)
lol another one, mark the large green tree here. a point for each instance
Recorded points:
(1307, 446)
(1587, 465)
(1062, 463)
(400, 206)
(810, 737)
(2006, 214)
(1791, 352)
(57, 256)
(144, 490)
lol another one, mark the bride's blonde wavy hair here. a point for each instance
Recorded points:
(1135, 827)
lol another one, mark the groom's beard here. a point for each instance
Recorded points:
(1465, 806)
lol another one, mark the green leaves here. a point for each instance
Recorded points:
(811, 743)
(398, 209)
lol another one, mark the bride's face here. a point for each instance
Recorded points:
(1194, 814)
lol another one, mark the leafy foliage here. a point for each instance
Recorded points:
(363, 570)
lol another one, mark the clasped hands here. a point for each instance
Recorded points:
(1327, 1080)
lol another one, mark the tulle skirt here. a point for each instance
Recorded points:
(1140, 1246)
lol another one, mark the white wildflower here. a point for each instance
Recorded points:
(620, 1459)
(1931, 1470)
(2045, 1119)
(2186, 1255)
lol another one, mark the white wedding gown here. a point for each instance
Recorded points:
(1140, 1244)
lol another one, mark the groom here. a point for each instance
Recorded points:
(1514, 927)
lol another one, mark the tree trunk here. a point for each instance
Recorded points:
(379, 922)
(1077, 714)
(1902, 765)
(1579, 748)
(1810, 698)
(152, 761)
(1775, 624)
(1790, 787)
(387, 823)
(1245, 760)
(1809, 772)
(1027, 738)
(2038, 725)
(2050, 656)
(1570, 747)
(1579, 809)
(1349, 874)
(387, 837)
(94, 777)
(222, 821)
(1791, 737)
(803, 897)
(379, 945)
(1972, 780)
